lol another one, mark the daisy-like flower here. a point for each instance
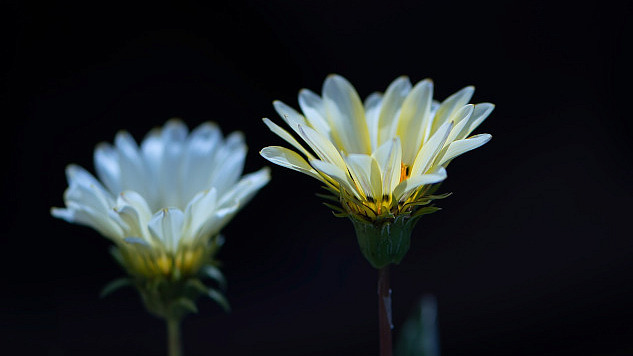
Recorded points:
(381, 159)
(163, 204)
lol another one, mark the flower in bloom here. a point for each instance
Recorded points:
(381, 158)
(163, 202)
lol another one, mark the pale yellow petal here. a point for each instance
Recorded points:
(414, 119)
(430, 149)
(287, 137)
(346, 115)
(289, 159)
(389, 158)
(450, 105)
(321, 146)
(390, 108)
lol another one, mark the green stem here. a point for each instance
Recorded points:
(384, 312)
(174, 345)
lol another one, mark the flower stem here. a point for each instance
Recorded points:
(384, 311)
(174, 345)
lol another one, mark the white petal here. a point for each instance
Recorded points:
(82, 190)
(106, 160)
(287, 137)
(244, 190)
(480, 113)
(338, 175)
(314, 111)
(322, 146)
(366, 173)
(372, 106)
(85, 215)
(289, 159)
(414, 119)
(175, 131)
(450, 105)
(133, 171)
(407, 186)
(390, 108)
(290, 115)
(228, 163)
(174, 136)
(134, 211)
(199, 210)
(76, 175)
(345, 115)
(430, 149)
(462, 146)
(198, 160)
(152, 149)
(389, 158)
(461, 118)
(167, 225)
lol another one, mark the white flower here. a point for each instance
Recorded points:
(380, 157)
(162, 202)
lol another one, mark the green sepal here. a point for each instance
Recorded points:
(329, 197)
(182, 306)
(439, 196)
(118, 257)
(424, 211)
(215, 274)
(114, 285)
(384, 242)
(336, 210)
(197, 286)
(219, 298)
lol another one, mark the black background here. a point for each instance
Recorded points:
(530, 256)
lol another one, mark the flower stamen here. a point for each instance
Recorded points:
(405, 171)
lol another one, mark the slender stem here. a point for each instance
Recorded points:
(174, 345)
(384, 311)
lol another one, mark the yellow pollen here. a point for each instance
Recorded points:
(404, 171)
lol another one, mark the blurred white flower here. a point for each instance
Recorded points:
(162, 202)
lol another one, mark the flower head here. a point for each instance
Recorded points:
(163, 203)
(380, 158)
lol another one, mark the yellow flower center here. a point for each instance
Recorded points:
(185, 262)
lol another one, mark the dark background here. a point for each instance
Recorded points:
(530, 256)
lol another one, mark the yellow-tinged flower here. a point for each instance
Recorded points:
(163, 204)
(382, 157)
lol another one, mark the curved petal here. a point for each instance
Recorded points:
(245, 188)
(166, 226)
(287, 137)
(338, 175)
(390, 108)
(389, 158)
(406, 187)
(481, 112)
(430, 149)
(366, 173)
(346, 115)
(312, 106)
(133, 172)
(462, 146)
(415, 119)
(322, 146)
(372, 105)
(199, 210)
(106, 162)
(198, 159)
(289, 159)
(448, 106)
